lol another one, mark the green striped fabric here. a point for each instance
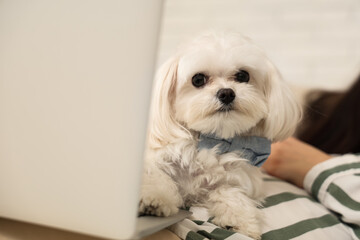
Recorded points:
(325, 174)
(216, 233)
(288, 232)
(194, 236)
(356, 230)
(283, 197)
(342, 197)
(290, 212)
(301, 228)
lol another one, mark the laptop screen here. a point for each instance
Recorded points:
(75, 83)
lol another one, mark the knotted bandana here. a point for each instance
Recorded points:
(254, 149)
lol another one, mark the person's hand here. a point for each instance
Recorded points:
(291, 159)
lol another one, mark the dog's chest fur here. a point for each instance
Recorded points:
(198, 172)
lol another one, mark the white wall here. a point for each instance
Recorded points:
(314, 43)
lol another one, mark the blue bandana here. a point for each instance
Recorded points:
(255, 149)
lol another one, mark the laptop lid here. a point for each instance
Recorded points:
(75, 83)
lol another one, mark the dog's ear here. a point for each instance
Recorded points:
(284, 111)
(164, 129)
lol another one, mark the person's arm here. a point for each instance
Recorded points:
(336, 184)
(333, 181)
(291, 159)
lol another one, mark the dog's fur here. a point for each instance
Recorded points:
(178, 174)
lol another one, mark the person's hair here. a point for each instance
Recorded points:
(332, 121)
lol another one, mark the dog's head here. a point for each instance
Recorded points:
(221, 84)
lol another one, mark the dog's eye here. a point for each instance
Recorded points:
(242, 76)
(199, 80)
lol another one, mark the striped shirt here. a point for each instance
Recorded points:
(328, 207)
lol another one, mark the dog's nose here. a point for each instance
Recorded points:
(226, 95)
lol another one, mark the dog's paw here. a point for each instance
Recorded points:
(233, 209)
(252, 231)
(162, 206)
(238, 222)
(162, 201)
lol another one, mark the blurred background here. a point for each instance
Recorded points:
(314, 43)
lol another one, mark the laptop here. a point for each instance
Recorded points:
(75, 86)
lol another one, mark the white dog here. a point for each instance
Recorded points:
(217, 105)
